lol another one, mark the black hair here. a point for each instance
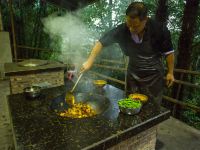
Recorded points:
(137, 9)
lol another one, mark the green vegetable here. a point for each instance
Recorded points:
(129, 103)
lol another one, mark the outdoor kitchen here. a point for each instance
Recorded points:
(49, 110)
(91, 75)
(36, 124)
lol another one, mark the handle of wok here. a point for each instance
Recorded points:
(76, 82)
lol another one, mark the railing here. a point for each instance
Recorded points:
(179, 82)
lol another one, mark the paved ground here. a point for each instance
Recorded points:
(176, 135)
(172, 134)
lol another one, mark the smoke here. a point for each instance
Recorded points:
(76, 38)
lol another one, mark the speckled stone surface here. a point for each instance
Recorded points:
(37, 127)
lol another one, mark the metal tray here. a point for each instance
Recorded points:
(32, 63)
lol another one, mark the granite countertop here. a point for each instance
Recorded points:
(37, 127)
(15, 69)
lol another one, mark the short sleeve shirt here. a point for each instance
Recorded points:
(158, 36)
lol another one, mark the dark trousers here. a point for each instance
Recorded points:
(150, 83)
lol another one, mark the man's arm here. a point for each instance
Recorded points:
(94, 53)
(170, 65)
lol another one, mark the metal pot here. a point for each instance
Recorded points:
(32, 91)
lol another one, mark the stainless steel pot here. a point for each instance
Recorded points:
(32, 91)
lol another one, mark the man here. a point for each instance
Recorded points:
(144, 41)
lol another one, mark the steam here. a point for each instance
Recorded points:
(76, 37)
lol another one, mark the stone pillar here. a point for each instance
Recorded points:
(5, 49)
(145, 140)
(52, 78)
(1, 22)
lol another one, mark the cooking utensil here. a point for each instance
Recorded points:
(69, 98)
(100, 83)
(32, 91)
(129, 106)
(141, 97)
(32, 63)
(129, 111)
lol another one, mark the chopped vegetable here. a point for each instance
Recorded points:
(79, 110)
(129, 103)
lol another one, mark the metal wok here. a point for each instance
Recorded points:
(98, 102)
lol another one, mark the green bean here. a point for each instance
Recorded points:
(129, 103)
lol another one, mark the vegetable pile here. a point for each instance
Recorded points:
(129, 103)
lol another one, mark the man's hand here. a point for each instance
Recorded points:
(70, 74)
(169, 79)
(86, 66)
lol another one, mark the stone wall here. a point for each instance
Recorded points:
(145, 140)
(52, 78)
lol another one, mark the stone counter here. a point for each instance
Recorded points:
(50, 74)
(37, 127)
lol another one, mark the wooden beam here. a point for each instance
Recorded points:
(36, 48)
(107, 77)
(187, 84)
(13, 29)
(113, 61)
(110, 67)
(175, 101)
(175, 70)
(1, 22)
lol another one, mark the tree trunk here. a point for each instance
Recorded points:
(185, 42)
(110, 13)
(161, 12)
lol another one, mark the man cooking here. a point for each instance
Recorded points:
(144, 41)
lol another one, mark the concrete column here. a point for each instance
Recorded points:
(5, 49)
(1, 23)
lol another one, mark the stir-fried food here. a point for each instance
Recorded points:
(79, 110)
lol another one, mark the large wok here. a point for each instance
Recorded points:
(98, 102)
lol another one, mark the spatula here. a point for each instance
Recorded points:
(69, 98)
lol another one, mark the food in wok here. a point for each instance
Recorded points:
(79, 110)
(100, 83)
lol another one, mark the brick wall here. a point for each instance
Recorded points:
(19, 82)
(145, 140)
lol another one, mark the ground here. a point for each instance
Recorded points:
(172, 133)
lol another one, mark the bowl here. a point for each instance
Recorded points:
(100, 83)
(141, 97)
(129, 111)
(32, 91)
(128, 108)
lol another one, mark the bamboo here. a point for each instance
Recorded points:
(13, 29)
(1, 23)
(187, 84)
(124, 69)
(110, 67)
(35, 48)
(107, 77)
(190, 106)
(177, 95)
(175, 101)
(187, 71)
(175, 70)
(113, 61)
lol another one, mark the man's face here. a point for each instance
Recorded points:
(135, 25)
